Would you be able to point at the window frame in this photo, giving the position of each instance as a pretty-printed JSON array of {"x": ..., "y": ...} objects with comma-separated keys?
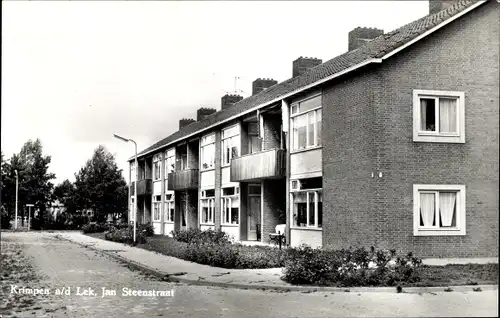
[
  {"x": 436, "y": 136},
  {"x": 156, "y": 204},
  {"x": 169, "y": 155},
  {"x": 297, "y": 113},
  {"x": 227, "y": 199},
  {"x": 317, "y": 192},
  {"x": 204, "y": 144},
  {"x": 157, "y": 167},
  {"x": 211, "y": 207},
  {"x": 166, "y": 206},
  {"x": 133, "y": 172},
  {"x": 237, "y": 136},
  {"x": 132, "y": 209},
  {"x": 460, "y": 218}
]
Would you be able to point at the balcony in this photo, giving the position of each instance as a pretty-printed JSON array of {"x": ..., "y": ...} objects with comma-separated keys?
[
  {"x": 268, "y": 164},
  {"x": 183, "y": 180},
  {"x": 144, "y": 187}
]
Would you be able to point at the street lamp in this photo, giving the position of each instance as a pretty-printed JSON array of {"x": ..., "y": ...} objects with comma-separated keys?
[
  {"x": 136, "y": 179},
  {"x": 17, "y": 181}
]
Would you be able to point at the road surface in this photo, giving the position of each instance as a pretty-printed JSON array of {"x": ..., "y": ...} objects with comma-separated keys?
[{"x": 59, "y": 264}]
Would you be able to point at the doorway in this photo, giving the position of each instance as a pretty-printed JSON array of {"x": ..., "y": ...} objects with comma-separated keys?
[{"x": 254, "y": 212}]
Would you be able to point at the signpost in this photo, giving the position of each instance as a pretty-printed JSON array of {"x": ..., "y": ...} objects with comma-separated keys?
[{"x": 29, "y": 215}]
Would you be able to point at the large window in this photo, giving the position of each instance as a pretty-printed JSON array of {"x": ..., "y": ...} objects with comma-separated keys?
[
  {"x": 208, "y": 152},
  {"x": 438, "y": 116},
  {"x": 169, "y": 208},
  {"x": 438, "y": 209},
  {"x": 230, "y": 144},
  {"x": 230, "y": 205},
  {"x": 307, "y": 203},
  {"x": 157, "y": 167},
  {"x": 156, "y": 208},
  {"x": 207, "y": 206},
  {"x": 306, "y": 123},
  {"x": 169, "y": 162}
]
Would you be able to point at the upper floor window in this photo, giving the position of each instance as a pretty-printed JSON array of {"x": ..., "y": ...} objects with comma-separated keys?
[
  {"x": 230, "y": 144},
  {"x": 306, "y": 123},
  {"x": 207, "y": 146},
  {"x": 169, "y": 162},
  {"x": 207, "y": 206},
  {"x": 438, "y": 116},
  {"x": 157, "y": 167},
  {"x": 438, "y": 209}
]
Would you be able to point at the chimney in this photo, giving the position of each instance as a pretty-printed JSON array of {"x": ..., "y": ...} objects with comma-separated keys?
[
  {"x": 204, "y": 112},
  {"x": 185, "y": 122},
  {"x": 261, "y": 84},
  {"x": 303, "y": 64},
  {"x": 228, "y": 100},
  {"x": 438, "y": 5},
  {"x": 359, "y": 36}
]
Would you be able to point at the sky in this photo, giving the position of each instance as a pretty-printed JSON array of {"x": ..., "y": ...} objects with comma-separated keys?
[{"x": 76, "y": 72}]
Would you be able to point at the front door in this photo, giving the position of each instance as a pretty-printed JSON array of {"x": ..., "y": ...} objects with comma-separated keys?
[
  {"x": 253, "y": 217},
  {"x": 184, "y": 207}
]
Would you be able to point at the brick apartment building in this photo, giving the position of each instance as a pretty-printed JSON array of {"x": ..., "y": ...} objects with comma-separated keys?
[{"x": 392, "y": 144}]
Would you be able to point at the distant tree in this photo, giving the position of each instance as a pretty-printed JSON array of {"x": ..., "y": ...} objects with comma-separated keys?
[
  {"x": 65, "y": 194},
  {"x": 100, "y": 186},
  {"x": 34, "y": 179}
]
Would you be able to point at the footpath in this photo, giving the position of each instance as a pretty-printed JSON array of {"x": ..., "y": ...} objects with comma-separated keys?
[{"x": 178, "y": 270}]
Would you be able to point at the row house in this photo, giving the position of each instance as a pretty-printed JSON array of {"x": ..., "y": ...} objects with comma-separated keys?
[{"x": 393, "y": 144}]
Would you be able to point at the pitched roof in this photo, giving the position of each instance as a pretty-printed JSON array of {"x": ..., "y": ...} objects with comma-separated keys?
[{"x": 374, "y": 49}]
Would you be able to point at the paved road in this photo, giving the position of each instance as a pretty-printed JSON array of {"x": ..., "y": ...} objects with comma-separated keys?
[{"x": 64, "y": 264}]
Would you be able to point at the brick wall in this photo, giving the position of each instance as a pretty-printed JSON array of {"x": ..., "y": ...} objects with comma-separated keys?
[
  {"x": 371, "y": 131},
  {"x": 193, "y": 152},
  {"x": 273, "y": 199},
  {"x": 272, "y": 130}
]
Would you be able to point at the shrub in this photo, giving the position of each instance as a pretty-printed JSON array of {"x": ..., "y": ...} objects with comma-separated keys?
[
  {"x": 146, "y": 229},
  {"x": 94, "y": 227},
  {"x": 125, "y": 235},
  {"x": 197, "y": 236},
  {"x": 349, "y": 267}
]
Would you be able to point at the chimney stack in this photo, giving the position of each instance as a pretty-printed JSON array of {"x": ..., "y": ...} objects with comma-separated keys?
[
  {"x": 204, "y": 112},
  {"x": 359, "y": 36},
  {"x": 185, "y": 122},
  {"x": 303, "y": 64},
  {"x": 261, "y": 84},
  {"x": 438, "y": 5},
  {"x": 228, "y": 100}
]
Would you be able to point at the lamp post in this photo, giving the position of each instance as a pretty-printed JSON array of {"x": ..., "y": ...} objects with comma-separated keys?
[
  {"x": 17, "y": 181},
  {"x": 136, "y": 179}
]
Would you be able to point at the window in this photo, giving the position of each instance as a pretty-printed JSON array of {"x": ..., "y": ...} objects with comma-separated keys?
[
  {"x": 207, "y": 206},
  {"x": 230, "y": 144},
  {"x": 230, "y": 205},
  {"x": 307, "y": 203},
  {"x": 208, "y": 152},
  {"x": 438, "y": 210},
  {"x": 156, "y": 208},
  {"x": 169, "y": 208},
  {"x": 169, "y": 162},
  {"x": 157, "y": 167},
  {"x": 133, "y": 172},
  {"x": 306, "y": 123},
  {"x": 438, "y": 116}
]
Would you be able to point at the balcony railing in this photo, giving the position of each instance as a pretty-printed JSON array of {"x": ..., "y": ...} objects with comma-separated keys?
[
  {"x": 144, "y": 187},
  {"x": 268, "y": 164},
  {"x": 183, "y": 180}
]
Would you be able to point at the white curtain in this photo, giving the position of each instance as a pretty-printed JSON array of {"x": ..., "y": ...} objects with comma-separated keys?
[
  {"x": 447, "y": 207},
  {"x": 423, "y": 114},
  {"x": 447, "y": 115},
  {"x": 427, "y": 207}
]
